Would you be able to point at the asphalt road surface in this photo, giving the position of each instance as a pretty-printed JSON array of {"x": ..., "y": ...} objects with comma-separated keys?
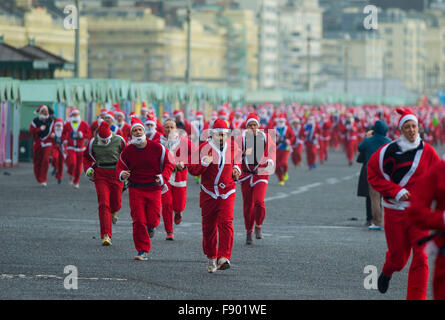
[{"x": 315, "y": 244}]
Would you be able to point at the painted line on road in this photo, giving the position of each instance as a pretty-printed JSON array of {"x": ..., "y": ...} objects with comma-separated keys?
[{"x": 52, "y": 276}]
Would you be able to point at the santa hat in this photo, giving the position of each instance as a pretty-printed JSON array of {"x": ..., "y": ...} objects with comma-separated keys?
[
  {"x": 220, "y": 126},
  {"x": 406, "y": 115},
  {"x": 199, "y": 115},
  {"x": 59, "y": 121},
  {"x": 104, "y": 131},
  {"x": 166, "y": 114},
  {"x": 214, "y": 115},
  {"x": 75, "y": 110},
  {"x": 252, "y": 118},
  {"x": 103, "y": 112},
  {"x": 222, "y": 114},
  {"x": 41, "y": 108},
  {"x": 109, "y": 114},
  {"x": 133, "y": 114},
  {"x": 151, "y": 120},
  {"x": 144, "y": 106},
  {"x": 281, "y": 117},
  {"x": 119, "y": 111},
  {"x": 135, "y": 121},
  {"x": 178, "y": 113}
]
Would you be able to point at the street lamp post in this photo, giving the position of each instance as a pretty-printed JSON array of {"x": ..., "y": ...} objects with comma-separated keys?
[
  {"x": 346, "y": 63},
  {"x": 187, "y": 71},
  {"x": 77, "y": 40}
]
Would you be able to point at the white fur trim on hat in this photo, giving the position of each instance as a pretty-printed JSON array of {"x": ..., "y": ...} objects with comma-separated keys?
[
  {"x": 137, "y": 124},
  {"x": 406, "y": 118},
  {"x": 252, "y": 119}
]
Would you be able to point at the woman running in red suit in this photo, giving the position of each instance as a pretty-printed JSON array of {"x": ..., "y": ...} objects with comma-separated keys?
[
  {"x": 393, "y": 171},
  {"x": 99, "y": 162},
  {"x": 258, "y": 150},
  {"x": 218, "y": 169},
  {"x": 147, "y": 166}
]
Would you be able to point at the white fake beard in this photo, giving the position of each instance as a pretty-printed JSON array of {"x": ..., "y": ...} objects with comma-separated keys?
[
  {"x": 42, "y": 117},
  {"x": 138, "y": 140},
  {"x": 75, "y": 119},
  {"x": 150, "y": 130},
  {"x": 280, "y": 125},
  {"x": 58, "y": 132},
  {"x": 406, "y": 145}
]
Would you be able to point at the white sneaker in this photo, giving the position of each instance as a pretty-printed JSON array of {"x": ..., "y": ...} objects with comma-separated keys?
[
  {"x": 142, "y": 256},
  {"x": 211, "y": 267},
  {"x": 76, "y": 186},
  {"x": 44, "y": 184},
  {"x": 223, "y": 264},
  {"x": 114, "y": 218},
  {"x": 107, "y": 240}
]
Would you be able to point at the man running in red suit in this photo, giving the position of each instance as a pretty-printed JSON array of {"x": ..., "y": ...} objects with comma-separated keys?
[
  {"x": 325, "y": 137},
  {"x": 258, "y": 152},
  {"x": 58, "y": 151},
  {"x": 150, "y": 129},
  {"x": 75, "y": 133},
  {"x": 297, "y": 145},
  {"x": 147, "y": 166},
  {"x": 350, "y": 131},
  {"x": 310, "y": 135},
  {"x": 41, "y": 128},
  {"x": 124, "y": 127},
  {"x": 430, "y": 189},
  {"x": 285, "y": 138},
  {"x": 218, "y": 170},
  {"x": 174, "y": 200},
  {"x": 393, "y": 171},
  {"x": 99, "y": 162}
]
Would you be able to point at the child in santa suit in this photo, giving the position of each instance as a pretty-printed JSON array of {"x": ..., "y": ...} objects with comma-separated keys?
[
  {"x": 393, "y": 171},
  {"x": 174, "y": 200},
  {"x": 75, "y": 133},
  {"x": 284, "y": 137},
  {"x": 99, "y": 161},
  {"x": 258, "y": 152},
  {"x": 58, "y": 152},
  {"x": 217, "y": 166},
  {"x": 147, "y": 166},
  {"x": 431, "y": 188},
  {"x": 41, "y": 128}
]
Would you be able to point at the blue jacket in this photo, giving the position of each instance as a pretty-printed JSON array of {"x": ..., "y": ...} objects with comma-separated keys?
[{"x": 374, "y": 143}]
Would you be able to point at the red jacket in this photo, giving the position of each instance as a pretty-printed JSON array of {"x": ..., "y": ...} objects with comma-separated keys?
[
  {"x": 155, "y": 137},
  {"x": 392, "y": 173},
  {"x": 42, "y": 137},
  {"x": 75, "y": 138},
  {"x": 126, "y": 131},
  {"x": 146, "y": 164},
  {"x": 249, "y": 171},
  {"x": 216, "y": 177}
]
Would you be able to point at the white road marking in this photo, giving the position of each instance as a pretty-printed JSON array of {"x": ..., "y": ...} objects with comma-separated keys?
[{"x": 52, "y": 276}]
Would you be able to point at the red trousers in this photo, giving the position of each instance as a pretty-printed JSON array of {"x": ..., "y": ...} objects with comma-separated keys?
[
  {"x": 282, "y": 164},
  {"x": 311, "y": 153},
  {"x": 173, "y": 201},
  {"x": 145, "y": 211},
  {"x": 323, "y": 151},
  {"x": 350, "y": 149},
  {"x": 439, "y": 278},
  {"x": 217, "y": 227},
  {"x": 401, "y": 238},
  {"x": 109, "y": 197},
  {"x": 57, "y": 161},
  {"x": 254, "y": 209},
  {"x": 74, "y": 164},
  {"x": 40, "y": 160},
  {"x": 297, "y": 155}
]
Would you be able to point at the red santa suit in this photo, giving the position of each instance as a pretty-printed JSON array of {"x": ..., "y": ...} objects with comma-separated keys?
[
  {"x": 58, "y": 150},
  {"x": 124, "y": 127},
  {"x": 431, "y": 188},
  {"x": 197, "y": 129},
  {"x": 324, "y": 139},
  {"x": 393, "y": 171},
  {"x": 74, "y": 137},
  {"x": 102, "y": 160},
  {"x": 175, "y": 198},
  {"x": 284, "y": 138},
  {"x": 350, "y": 131},
  {"x": 41, "y": 129},
  {"x": 181, "y": 123},
  {"x": 310, "y": 134},
  {"x": 217, "y": 197},
  {"x": 151, "y": 133},
  {"x": 145, "y": 165},
  {"x": 258, "y": 154},
  {"x": 297, "y": 144}
]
